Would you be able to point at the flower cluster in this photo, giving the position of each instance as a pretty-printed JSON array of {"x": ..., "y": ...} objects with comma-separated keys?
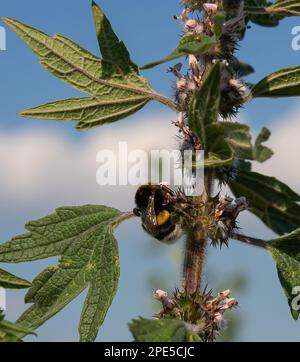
[
  {"x": 203, "y": 313},
  {"x": 226, "y": 214},
  {"x": 233, "y": 90},
  {"x": 216, "y": 215}
]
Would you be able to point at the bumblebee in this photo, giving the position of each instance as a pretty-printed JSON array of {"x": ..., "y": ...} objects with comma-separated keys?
[{"x": 156, "y": 206}]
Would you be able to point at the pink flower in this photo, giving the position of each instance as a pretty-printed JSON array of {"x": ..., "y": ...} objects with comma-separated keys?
[{"x": 210, "y": 8}]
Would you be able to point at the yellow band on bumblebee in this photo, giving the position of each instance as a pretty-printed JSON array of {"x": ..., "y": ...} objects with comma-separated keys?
[{"x": 162, "y": 217}]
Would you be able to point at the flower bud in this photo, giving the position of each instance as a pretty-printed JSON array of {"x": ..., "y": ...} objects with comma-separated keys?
[
  {"x": 191, "y": 86},
  {"x": 164, "y": 299},
  {"x": 191, "y": 24},
  {"x": 240, "y": 87},
  {"x": 211, "y": 9},
  {"x": 160, "y": 294},
  {"x": 181, "y": 84},
  {"x": 194, "y": 66}
]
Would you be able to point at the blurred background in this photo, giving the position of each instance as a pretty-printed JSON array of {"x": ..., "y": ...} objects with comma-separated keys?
[{"x": 47, "y": 164}]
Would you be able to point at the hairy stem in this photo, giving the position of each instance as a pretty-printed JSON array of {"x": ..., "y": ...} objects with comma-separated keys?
[
  {"x": 249, "y": 240},
  {"x": 194, "y": 259},
  {"x": 124, "y": 216},
  {"x": 164, "y": 100},
  {"x": 195, "y": 252}
]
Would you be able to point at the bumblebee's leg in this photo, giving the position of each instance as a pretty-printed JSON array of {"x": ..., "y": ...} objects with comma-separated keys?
[
  {"x": 167, "y": 189},
  {"x": 183, "y": 213},
  {"x": 181, "y": 196},
  {"x": 149, "y": 217},
  {"x": 137, "y": 212}
]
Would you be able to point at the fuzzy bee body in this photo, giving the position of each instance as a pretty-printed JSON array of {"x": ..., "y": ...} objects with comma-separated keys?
[{"x": 155, "y": 205}]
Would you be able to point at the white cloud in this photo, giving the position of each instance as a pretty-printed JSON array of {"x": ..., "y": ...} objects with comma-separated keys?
[
  {"x": 45, "y": 167},
  {"x": 285, "y": 142},
  {"x": 41, "y": 167}
]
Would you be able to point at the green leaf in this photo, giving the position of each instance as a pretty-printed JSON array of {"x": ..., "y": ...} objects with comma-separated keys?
[
  {"x": 213, "y": 161},
  {"x": 240, "y": 68},
  {"x": 115, "y": 88},
  {"x": 283, "y": 83},
  {"x": 286, "y": 253},
  {"x": 267, "y": 20},
  {"x": 11, "y": 332},
  {"x": 114, "y": 52},
  {"x": 8, "y": 280},
  {"x": 222, "y": 141},
  {"x": 233, "y": 139},
  {"x": 257, "y": 12},
  {"x": 256, "y": 3},
  {"x": 219, "y": 20},
  {"x": 204, "y": 106},
  {"x": 188, "y": 45},
  {"x": 262, "y": 153},
  {"x": 270, "y": 200},
  {"x": 88, "y": 112},
  {"x": 285, "y": 7},
  {"x": 227, "y": 141},
  {"x": 83, "y": 239},
  {"x": 164, "y": 330}
]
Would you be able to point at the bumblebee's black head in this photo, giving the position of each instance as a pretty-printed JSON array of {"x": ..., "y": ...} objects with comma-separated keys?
[
  {"x": 154, "y": 206},
  {"x": 144, "y": 193}
]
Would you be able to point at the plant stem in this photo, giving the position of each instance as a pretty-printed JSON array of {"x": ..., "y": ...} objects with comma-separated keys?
[
  {"x": 124, "y": 216},
  {"x": 164, "y": 100},
  {"x": 195, "y": 252},
  {"x": 194, "y": 260},
  {"x": 249, "y": 240},
  {"x": 270, "y": 10}
]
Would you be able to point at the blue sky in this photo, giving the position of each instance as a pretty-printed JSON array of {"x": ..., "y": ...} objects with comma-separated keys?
[{"x": 27, "y": 146}]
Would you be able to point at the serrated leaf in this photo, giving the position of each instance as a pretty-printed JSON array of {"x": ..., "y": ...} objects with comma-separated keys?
[
  {"x": 270, "y": 200},
  {"x": 233, "y": 140},
  {"x": 204, "y": 106},
  {"x": 83, "y": 238},
  {"x": 113, "y": 50},
  {"x": 228, "y": 141},
  {"x": 10, "y": 281},
  {"x": 164, "y": 330},
  {"x": 286, "y": 253},
  {"x": 115, "y": 87},
  {"x": 282, "y": 83},
  {"x": 262, "y": 153},
  {"x": 88, "y": 112},
  {"x": 188, "y": 45},
  {"x": 213, "y": 161},
  {"x": 11, "y": 332}
]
